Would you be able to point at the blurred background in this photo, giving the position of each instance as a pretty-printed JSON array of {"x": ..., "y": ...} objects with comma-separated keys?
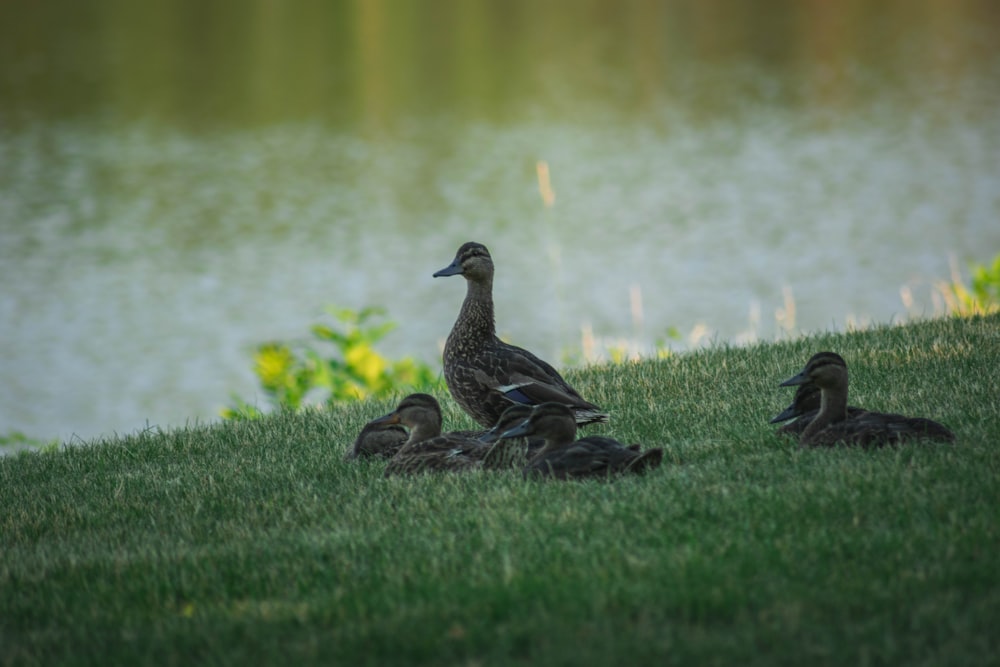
[{"x": 181, "y": 180}]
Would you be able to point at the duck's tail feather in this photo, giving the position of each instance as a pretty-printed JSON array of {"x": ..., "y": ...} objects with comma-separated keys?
[
  {"x": 586, "y": 416},
  {"x": 649, "y": 459}
]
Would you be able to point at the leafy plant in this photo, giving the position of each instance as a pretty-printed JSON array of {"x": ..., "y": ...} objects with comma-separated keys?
[
  {"x": 982, "y": 296},
  {"x": 295, "y": 374}
]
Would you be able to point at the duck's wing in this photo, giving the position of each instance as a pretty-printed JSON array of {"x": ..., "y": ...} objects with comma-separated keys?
[
  {"x": 877, "y": 429},
  {"x": 516, "y": 362},
  {"x": 500, "y": 375},
  {"x": 449, "y": 452},
  {"x": 528, "y": 380},
  {"x": 568, "y": 463},
  {"x": 893, "y": 428},
  {"x": 620, "y": 457},
  {"x": 593, "y": 456}
]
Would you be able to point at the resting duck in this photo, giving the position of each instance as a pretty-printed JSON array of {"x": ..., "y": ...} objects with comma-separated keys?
[
  {"x": 377, "y": 440},
  {"x": 564, "y": 457},
  {"x": 805, "y": 407},
  {"x": 484, "y": 374},
  {"x": 513, "y": 453},
  {"x": 828, "y": 371},
  {"x": 429, "y": 450}
]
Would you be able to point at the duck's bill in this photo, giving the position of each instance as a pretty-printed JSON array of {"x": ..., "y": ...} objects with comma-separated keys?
[
  {"x": 517, "y": 431},
  {"x": 452, "y": 269},
  {"x": 801, "y": 378},
  {"x": 391, "y": 418},
  {"x": 785, "y": 414}
]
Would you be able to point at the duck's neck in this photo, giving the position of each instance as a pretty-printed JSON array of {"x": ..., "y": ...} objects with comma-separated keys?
[
  {"x": 554, "y": 441},
  {"x": 832, "y": 409},
  {"x": 476, "y": 320}
]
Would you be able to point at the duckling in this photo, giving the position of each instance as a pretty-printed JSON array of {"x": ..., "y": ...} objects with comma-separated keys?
[
  {"x": 484, "y": 374},
  {"x": 805, "y": 407},
  {"x": 427, "y": 449},
  {"x": 377, "y": 439},
  {"x": 563, "y": 457},
  {"x": 828, "y": 371}
]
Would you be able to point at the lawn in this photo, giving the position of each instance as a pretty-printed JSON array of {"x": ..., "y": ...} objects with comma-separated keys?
[{"x": 255, "y": 543}]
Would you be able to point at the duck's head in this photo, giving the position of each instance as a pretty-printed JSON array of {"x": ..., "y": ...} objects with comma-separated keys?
[
  {"x": 826, "y": 370},
  {"x": 472, "y": 261},
  {"x": 513, "y": 416},
  {"x": 807, "y": 398},
  {"x": 415, "y": 411},
  {"x": 554, "y": 422}
]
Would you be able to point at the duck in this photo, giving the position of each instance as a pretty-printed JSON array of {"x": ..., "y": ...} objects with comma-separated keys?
[
  {"x": 804, "y": 408},
  {"x": 427, "y": 449},
  {"x": 509, "y": 453},
  {"x": 564, "y": 457},
  {"x": 378, "y": 440},
  {"x": 510, "y": 418},
  {"x": 831, "y": 426},
  {"x": 486, "y": 375}
]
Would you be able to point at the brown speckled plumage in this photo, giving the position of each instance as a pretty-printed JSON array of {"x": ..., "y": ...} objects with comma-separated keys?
[
  {"x": 831, "y": 426},
  {"x": 564, "y": 457},
  {"x": 429, "y": 450},
  {"x": 509, "y": 453},
  {"x": 484, "y": 374},
  {"x": 377, "y": 440}
]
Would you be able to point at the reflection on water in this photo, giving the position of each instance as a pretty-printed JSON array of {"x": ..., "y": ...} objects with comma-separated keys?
[{"x": 172, "y": 193}]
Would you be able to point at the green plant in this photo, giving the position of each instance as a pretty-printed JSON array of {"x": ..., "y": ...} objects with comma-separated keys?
[
  {"x": 982, "y": 296},
  {"x": 291, "y": 373},
  {"x": 16, "y": 440}
]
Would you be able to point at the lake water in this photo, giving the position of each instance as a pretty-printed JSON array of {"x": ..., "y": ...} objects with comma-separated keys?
[{"x": 181, "y": 181}]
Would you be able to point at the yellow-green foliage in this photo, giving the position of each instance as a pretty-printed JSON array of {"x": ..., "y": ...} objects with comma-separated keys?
[
  {"x": 979, "y": 298},
  {"x": 352, "y": 370}
]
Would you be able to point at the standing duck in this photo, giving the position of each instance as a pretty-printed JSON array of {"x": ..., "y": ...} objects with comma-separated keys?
[
  {"x": 486, "y": 375},
  {"x": 831, "y": 426},
  {"x": 429, "y": 450},
  {"x": 804, "y": 408},
  {"x": 564, "y": 457}
]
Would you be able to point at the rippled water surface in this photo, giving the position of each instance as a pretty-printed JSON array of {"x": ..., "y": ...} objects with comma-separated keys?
[{"x": 177, "y": 185}]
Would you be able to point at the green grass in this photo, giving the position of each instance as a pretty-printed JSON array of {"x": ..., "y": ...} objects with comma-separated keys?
[{"x": 254, "y": 543}]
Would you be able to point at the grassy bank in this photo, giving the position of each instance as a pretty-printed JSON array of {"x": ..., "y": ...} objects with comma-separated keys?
[{"x": 254, "y": 543}]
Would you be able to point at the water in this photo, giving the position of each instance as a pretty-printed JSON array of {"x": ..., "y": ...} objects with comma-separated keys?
[{"x": 173, "y": 193}]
